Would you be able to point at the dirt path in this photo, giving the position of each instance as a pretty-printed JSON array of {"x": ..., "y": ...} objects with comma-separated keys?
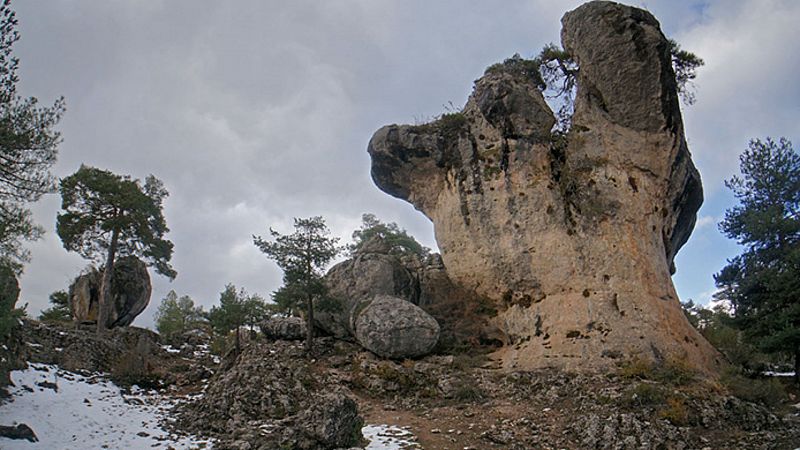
[{"x": 458, "y": 427}]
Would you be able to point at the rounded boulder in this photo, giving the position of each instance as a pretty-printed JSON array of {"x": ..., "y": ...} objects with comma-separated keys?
[{"x": 394, "y": 328}]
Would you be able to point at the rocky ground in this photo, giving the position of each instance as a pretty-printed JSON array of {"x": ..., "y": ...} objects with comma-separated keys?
[
  {"x": 272, "y": 396},
  {"x": 461, "y": 402}
]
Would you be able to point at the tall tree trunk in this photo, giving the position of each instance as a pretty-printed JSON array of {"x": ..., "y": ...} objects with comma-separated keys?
[
  {"x": 797, "y": 366},
  {"x": 104, "y": 302},
  {"x": 238, "y": 341},
  {"x": 309, "y": 325}
]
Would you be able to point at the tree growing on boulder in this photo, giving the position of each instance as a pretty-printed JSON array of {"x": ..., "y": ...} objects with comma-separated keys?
[
  {"x": 555, "y": 73},
  {"x": 60, "y": 311},
  {"x": 176, "y": 316},
  {"x": 28, "y": 149},
  {"x": 763, "y": 282},
  {"x": 303, "y": 255},
  {"x": 398, "y": 239},
  {"x": 106, "y": 215}
]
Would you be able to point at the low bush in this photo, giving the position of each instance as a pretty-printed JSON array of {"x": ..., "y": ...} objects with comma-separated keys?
[{"x": 769, "y": 392}]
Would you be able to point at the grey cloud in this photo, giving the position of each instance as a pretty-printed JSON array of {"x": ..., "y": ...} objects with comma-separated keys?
[{"x": 254, "y": 112}]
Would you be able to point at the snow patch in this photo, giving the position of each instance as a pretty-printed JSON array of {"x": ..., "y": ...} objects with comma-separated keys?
[
  {"x": 87, "y": 411},
  {"x": 389, "y": 437}
]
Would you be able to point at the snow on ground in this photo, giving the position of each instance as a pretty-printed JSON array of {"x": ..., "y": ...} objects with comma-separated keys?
[
  {"x": 69, "y": 411},
  {"x": 388, "y": 437},
  {"x": 771, "y": 373}
]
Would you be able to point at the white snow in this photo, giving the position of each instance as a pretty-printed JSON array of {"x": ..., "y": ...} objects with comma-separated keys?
[
  {"x": 87, "y": 412},
  {"x": 389, "y": 437},
  {"x": 770, "y": 373}
]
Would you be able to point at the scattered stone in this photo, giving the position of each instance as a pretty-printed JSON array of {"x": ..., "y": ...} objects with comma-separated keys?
[{"x": 21, "y": 431}]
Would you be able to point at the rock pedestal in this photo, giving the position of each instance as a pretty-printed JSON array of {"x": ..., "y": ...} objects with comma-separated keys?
[{"x": 573, "y": 238}]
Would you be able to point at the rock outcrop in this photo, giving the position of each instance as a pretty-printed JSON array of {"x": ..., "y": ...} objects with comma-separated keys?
[
  {"x": 271, "y": 397},
  {"x": 130, "y": 293},
  {"x": 9, "y": 290},
  {"x": 395, "y": 328},
  {"x": 9, "y": 354},
  {"x": 370, "y": 272},
  {"x": 286, "y": 328},
  {"x": 573, "y": 239},
  {"x": 372, "y": 298}
]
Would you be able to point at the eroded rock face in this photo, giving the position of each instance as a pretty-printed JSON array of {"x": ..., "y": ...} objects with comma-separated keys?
[
  {"x": 573, "y": 239},
  {"x": 130, "y": 293},
  {"x": 394, "y": 328}
]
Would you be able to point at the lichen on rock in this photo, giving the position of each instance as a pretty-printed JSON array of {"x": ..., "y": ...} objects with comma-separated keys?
[
  {"x": 130, "y": 293},
  {"x": 572, "y": 238}
]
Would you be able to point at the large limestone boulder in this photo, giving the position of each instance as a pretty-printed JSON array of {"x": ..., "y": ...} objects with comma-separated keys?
[
  {"x": 370, "y": 272},
  {"x": 286, "y": 328},
  {"x": 572, "y": 239},
  {"x": 130, "y": 293},
  {"x": 394, "y": 328}
]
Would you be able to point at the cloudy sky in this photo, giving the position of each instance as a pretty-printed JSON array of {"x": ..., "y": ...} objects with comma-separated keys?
[{"x": 254, "y": 112}]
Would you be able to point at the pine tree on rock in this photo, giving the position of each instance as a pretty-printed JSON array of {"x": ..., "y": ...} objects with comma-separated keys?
[{"x": 106, "y": 216}]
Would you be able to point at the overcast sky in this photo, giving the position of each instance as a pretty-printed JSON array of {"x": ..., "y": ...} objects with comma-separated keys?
[{"x": 254, "y": 112}]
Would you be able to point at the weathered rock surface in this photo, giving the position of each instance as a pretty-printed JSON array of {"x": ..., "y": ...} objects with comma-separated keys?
[
  {"x": 572, "y": 239},
  {"x": 9, "y": 289},
  {"x": 271, "y": 398},
  {"x": 130, "y": 293},
  {"x": 287, "y": 328},
  {"x": 394, "y": 328},
  {"x": 372, "y": 299},
  {"x": 81, "y": 349},
  {"x": 370, "y": 272},
  {"x": 9, "y": 294}
]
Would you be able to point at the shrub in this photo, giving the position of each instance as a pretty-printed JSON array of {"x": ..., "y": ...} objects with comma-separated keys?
[
  {"x": 769, "y": 392},
  {"x": 636, "y": 368},
  {"x": 644, "y": 394},
  {"x": 468, "y": 392},
  {"x": 519, "y": 66},
  {"x": 674, "y": 370},
  {"x": 675, "y": 412}
]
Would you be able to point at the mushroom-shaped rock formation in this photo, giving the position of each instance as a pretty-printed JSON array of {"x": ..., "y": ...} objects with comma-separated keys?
[
  {"x": 130, "y": 293},
  {"x": 573, "y": 238}
]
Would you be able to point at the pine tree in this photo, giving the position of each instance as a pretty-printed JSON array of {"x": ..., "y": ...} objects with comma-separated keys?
[
  {"x": 303, "y": 255},
  {"x": 175, "y": 316},
  {"x": 399, "y": 241},
  {"x": 28, "y": 149},
  {"x": 106, "y": 215},
  {"x": 60, "y": 311},
  {"x": 237, "y": 309},
  {"x": 763, "y": 283}
]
